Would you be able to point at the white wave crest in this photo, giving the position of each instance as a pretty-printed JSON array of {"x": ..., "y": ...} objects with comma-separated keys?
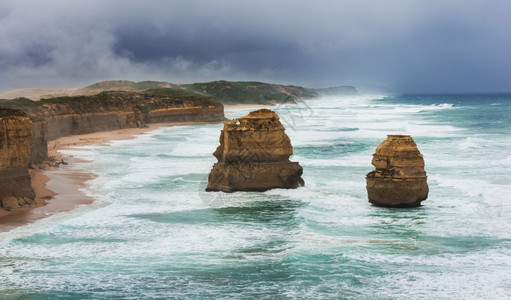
[{"x": 443, "y": 105}]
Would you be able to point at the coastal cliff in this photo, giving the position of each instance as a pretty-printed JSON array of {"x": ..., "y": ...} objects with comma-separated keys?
[
  {"x": 39, "y": 147},
  {"x": 27, "y": 126},
  {"x": 15, "y": 144},
  {"x": 399, "y": 179},
  {"x": 63, "y": 116},
  {"x": 254, "y": 155},
  {"x": 107, "y": 111}
]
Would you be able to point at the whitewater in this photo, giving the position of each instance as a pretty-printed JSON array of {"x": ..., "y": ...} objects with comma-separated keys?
[{"x": 154, "y": 233}]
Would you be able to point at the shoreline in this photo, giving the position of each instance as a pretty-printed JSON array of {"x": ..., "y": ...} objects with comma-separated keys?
[
  {"x": 57, "y": 190},
  {"x": 60, "y": 189}
]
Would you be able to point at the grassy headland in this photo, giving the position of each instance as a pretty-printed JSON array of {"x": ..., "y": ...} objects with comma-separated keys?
[
  {"x": 228, "y": 92},
  {"x": 243, "y": 92}
]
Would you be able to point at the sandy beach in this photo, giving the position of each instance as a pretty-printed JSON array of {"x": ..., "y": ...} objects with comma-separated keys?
[{"x": 60, "y": 189}]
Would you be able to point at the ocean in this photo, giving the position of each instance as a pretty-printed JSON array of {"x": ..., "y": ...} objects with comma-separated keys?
[{"x": 154, "y": 233}]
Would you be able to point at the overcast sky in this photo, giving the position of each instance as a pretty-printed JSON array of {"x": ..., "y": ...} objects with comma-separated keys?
[{"x": 405, "y": 45}]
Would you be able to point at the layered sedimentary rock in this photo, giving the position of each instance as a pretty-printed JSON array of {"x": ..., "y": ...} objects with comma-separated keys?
[
  {"x": 399, "y": 179},
  {"x": 39, "y": 148},
  {"x": 254, "y": 155},
  {"x": 26, "y": 130},
  {"x": 119, "y": 110},
  {"x": 15, "y": 144},
  {"x": 60, "y": 117}
]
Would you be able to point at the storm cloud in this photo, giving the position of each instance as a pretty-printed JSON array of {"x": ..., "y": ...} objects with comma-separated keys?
[{"x": 407, "y": 46}]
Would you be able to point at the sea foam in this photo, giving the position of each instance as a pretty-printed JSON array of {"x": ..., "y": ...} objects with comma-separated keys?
[{"x": 158, "y": 234}]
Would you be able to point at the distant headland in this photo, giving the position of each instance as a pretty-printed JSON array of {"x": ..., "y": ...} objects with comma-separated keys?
[{"x": 228, "y": 92}]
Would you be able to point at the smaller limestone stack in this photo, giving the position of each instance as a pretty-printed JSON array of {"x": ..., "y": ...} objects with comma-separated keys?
[
  {"x": 254, "y": 155},
  {"x": 399, "y": 179}
]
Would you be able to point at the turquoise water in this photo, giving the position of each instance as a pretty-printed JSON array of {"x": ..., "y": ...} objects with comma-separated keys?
[{"x": 154, "y": 233}]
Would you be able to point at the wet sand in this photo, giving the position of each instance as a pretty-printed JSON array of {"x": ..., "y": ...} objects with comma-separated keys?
[{"x": 57, "y": 190}]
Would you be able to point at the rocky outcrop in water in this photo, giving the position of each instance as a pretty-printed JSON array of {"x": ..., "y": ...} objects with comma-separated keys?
[
  {"x": 254, "y": 155},
  {"x": 15, "y": 143},
  {"x": 399, "y": 179}
]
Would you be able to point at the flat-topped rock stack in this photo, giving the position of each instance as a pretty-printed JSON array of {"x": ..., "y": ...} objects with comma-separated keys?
[
  {"x": 399, "y": 179},
  {"x": 254, "y": 155}
]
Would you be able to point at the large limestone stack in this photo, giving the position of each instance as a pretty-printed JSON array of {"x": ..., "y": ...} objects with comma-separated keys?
[
  {"x": 15, "y": 144},
  {"x": 399, "y": 179},
  {"x": 254, "y": 156}
]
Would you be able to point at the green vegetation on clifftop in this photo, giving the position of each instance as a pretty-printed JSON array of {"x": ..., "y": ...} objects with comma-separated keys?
[
  {"x": 18, "y": 103},
  {"x": 249, "y": 92},
  {"x": 125, "y": 85},
  {"x": 110, "y": 101},
  {"x": 228, "y": 92},
  {"x": 5, "y": 112}
]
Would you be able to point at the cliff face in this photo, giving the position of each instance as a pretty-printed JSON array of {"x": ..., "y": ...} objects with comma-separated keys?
[
  {"x": 39, "y": 148},
  {"x": 169, "y": 110},
  {"x": 118, "y": 110},
  {"x": 254, "y": 156},
  {"x": 82, "y": 123},
  {"x": 26, "y": 130},
  {"x": 399, "y": 179},
  {"x": 15, "y": 144},
  {"x": 58, "y": 117}
]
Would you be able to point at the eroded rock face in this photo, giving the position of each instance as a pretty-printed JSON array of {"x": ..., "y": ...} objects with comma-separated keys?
[
  {"x": 120, "y": 111},
  {"x": 15, "y": 144},
  {"x": 24, "y": 132},
  {"x": 254, "y": 155},
  {"x": 111, "y": 111},
  {"x": 399, "y": 179},
  {"x": 39, "y": 149}
]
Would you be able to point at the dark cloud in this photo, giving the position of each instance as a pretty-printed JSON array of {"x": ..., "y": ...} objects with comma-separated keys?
[{"x": 410, "y": 46}]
